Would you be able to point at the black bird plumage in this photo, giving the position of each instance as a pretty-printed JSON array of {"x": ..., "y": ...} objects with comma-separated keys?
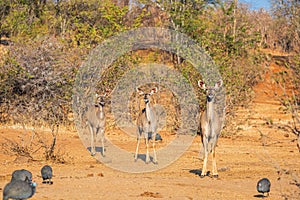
[
  {"x": 18, "y": 189},
  {"x": 157, "y": 137},
  {"x": 263, "y": 186},
  {"x": 46, "y": 173},
  {"x": 22, "y": 175}
]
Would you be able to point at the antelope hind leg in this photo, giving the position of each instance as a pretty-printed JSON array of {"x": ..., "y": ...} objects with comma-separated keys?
[
  {"x": 101, "y": 134},
  {"x": 137, "y": 148},
  {"x": 154, "y": 151},
  {"x": 93, "y": 150}
]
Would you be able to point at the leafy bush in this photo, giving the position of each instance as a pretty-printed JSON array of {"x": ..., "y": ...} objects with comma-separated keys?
[{"x": 36, "y": 82}]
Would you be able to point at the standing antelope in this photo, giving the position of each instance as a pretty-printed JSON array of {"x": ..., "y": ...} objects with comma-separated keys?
[
  {"x": 211, "y": 126},
  {"x": 96, "y": 122},
  {"x": 147, "y": 122}
]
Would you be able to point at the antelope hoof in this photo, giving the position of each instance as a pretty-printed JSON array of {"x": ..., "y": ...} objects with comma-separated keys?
[
  {"x": 215, "y": 176},
  {"x": 147, "y": 161},
  {"x": 93, "y": 154},
  {"x": 202, "y": 176},
  {"x": 155, "y": 162}
]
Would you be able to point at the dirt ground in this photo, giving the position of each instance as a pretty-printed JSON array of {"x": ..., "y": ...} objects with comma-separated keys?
[{"x": 256, "y": 150}]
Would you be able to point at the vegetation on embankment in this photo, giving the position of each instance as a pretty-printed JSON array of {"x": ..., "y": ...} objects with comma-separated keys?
[{"x": 48, "y": 41}]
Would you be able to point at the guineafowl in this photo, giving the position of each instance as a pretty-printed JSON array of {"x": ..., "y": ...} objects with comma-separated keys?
[
  {"x": 263, "y": 186},
  {"x": 18, "y": 189},
  {"x": 46, "y": 172},
  {"x": 22, "y": 175}
]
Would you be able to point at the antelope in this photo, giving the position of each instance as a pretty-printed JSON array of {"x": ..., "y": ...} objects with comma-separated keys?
[
  {"x": 211, "y": 126},
  {"x": 96, "y": 122},
  {"x": 147, "y": 123}
]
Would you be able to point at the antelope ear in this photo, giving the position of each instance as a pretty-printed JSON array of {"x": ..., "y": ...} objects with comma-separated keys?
[
  {"x": 218, "y": 84},
  {"x": 138, "y": 90},
  {"x": 201, "y": 84},
  {"x": 97, "y": 98},
  {"x": 154, "y": 90}
]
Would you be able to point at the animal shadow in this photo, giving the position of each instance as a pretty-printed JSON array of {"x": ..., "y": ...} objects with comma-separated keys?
[
  {"x": 260, "y": 196},
  {"x": 98, "y": 149},
  {"x": 143, "y": 158},
  {"x": 198, "y": 172},
  {"x": 4, "y": 42},
  {"x": 47, "y": 182}
]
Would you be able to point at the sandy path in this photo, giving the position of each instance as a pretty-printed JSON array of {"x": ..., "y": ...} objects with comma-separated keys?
[{"x": 257, "y": 150}]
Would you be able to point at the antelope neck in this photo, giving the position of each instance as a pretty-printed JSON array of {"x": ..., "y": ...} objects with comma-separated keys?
[
  {"x": 209, "y": 110},
  {"x": 101, "y": 111},
  {"x": 148, "y": 111}
]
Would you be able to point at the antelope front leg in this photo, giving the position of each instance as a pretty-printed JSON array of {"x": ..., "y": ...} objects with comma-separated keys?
[
  {"x": 203, "y": 172},
  {"x": 103, "y": 148},
  {"x": 214, "y": 164},
  {"x": 147, "y": 151},
  {"x": 205, "y": 143}
]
